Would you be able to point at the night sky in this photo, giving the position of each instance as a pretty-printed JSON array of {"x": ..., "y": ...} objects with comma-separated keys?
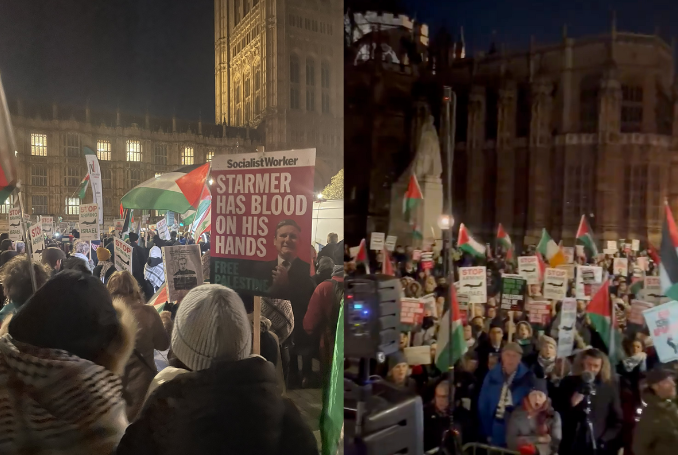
[
  {"x": 515, "y": 20},
  {"x": 132, "y": 53}
]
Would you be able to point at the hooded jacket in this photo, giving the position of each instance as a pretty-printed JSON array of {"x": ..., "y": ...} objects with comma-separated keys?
[
  {"x": 231, "y": 408},
  {"x": 657, "y": 431},
  {"x": 154, "y": 270}
]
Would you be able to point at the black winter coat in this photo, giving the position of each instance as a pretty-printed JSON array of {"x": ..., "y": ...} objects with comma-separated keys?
[{"x": 233, "y": 408}]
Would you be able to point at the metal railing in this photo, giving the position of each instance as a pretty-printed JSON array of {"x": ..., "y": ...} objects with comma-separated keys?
[{"x": 474, "y": 448}]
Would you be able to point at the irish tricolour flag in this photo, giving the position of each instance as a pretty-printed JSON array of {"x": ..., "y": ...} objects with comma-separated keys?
[
  {"x": 550, "y": 250},
  {"x": 585, "y": 236},
  {"x": 451, "y": 343},
  {"x": 468, "y": 244}
]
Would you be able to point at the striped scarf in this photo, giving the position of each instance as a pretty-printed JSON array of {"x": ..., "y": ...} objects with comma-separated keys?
[
  {"x": 505, "y": 398},
  {"x": 52, "y": 402}
]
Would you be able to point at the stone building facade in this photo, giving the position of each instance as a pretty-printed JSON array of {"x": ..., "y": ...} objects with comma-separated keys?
[
  {"x": 584, "y": 126},
  {"x": 279, "y": 68},
  {"x": 131, "y": 150}
]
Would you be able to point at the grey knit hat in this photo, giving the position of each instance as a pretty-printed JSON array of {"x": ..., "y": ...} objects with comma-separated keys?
[{"x": 211, "y": 325}]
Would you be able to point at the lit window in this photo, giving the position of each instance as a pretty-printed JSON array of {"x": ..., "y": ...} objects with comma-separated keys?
[
  {"x": 133, "y": 177},
  {"x": 158, "y": 174},
  {"x": 209, "y": 156},
  {"x": 187, "y": 156},
  {"x": 9, "y": 203},
  {"x": 72, "y": 206},
  {"x": 38, "y": 175},
  {"x": 71, "y": 144},
  {"x": 39, "y": 205},
  {"x": 133, "y": 151},
  {"x": 160, "y": 154},
  {"x": 104, "y": 150},
  {"x": 39, "y": 144}
]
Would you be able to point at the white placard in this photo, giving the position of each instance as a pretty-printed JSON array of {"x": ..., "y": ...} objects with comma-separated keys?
[
  {"x": 652, "y": 288},
  {"x": 418, "y": 355},
  {"x": 163, "y": 231},
  {"x": 612, "y": 245},
  {"x": 569, "y": 268},
  {"x": 89, "y": 222},
  {"x": 636, "y": 314},
  {"x": 621, "y": 266},
  {"x": 643, "y": 263},
  {"x": 635, "y": 245},
  {"x": 555, "y": 284},
  {"x": 183, "y": 270},
  {"x": 610, "y": 252},
  {"x": 47, "y": 225},
  {"x": 568, "y": 251},
  {"x": 473, "y": 282},
  {"x": 598, "y": 277},
  {"x": 429, "y": 302},
  {"x": 391, "y": 242},
  {"x": 528, "y": 268},
  {"x": 37, "y": 241},
  {"x": 567, "y": 329},
  {"x": 580, "y": 251},
  {"x": 15, "y": 231},
  {"x": 119, "y": 224},
  {"x": 377, "y": 241},
  {"x": 123, "y": 255}
]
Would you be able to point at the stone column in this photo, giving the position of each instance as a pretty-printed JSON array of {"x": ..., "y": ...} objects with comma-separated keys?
[
  {"x": 539, "y": 199},
  {"x": 432, "y": 190},
  {"x": 609, "y": 164},
  {"x": 505, "y": 154},
  {"x": 474, "y": 152}
]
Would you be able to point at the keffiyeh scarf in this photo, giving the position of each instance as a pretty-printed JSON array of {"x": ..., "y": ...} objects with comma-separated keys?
[
  {"x": 505, "y": 398},
  {"x": 156, "y": 274},
  {"x": 630, "y": 363},
  {"x": 546, "y": 364}
]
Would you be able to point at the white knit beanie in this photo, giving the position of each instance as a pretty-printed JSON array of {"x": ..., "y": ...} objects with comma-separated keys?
[{"x": 211, "y": 325}]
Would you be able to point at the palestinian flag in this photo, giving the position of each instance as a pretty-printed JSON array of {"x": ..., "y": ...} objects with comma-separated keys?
[
  {"x": 550, "y": 251},
  {"x": 451, "y": 343},
  {"x": 412, "y": 197},
  {"x": 386, "y": 264},
  {"x": 585, "y": 236},
  {"x": 504, "y": 240},
  {"x": 8, "y": 166},
  {"x": 82, "y": 189},
  {"x": 159, "y": 298},
  {"x": 668, "y": 268},
  {"x": 601, "y": 314},
  {"x": 362, "y": 257},
  {"x": 204, "y": 223},
  {"x": 416, "y": 232},
  {"x": 166, "y": 193},
  {"x": 542, "y": 265},
  {"x": 332, "y": 415},
  {"x": 468, "y": 244}
]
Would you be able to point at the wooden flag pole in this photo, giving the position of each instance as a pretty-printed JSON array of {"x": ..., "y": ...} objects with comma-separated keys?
[{"x": 29, "y": 241}]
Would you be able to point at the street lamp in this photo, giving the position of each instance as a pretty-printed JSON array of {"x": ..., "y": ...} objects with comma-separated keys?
[
  {"x": 320, "y": 196},
  {"x": 445, "y": 222}
]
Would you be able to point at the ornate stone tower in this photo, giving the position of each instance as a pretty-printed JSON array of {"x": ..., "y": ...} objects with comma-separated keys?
[{"x": 279, "y": 67}]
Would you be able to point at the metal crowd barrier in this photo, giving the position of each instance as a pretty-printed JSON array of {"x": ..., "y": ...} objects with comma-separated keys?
[{"x": 476, "y": 448}]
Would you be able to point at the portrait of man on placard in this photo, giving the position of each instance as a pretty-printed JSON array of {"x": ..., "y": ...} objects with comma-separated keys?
[{"x": 184, "y": 278}]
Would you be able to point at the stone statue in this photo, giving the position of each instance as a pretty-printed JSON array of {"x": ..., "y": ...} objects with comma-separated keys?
[{"x": 427, "y": 161}]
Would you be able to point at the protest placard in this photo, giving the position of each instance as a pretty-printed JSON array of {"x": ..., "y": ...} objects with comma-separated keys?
[
  {"x": 123, "y": 255},
  {"x": 47, "y": 223},
  {"x": 609, "y": 252},
  {"x": 539, "y": 312},
  {"x": 642, "y": 263},
  {"x": 612, "y": 245},
  {"x": 635, "y": 245},
  {"x": 627, "y": 248},
  {"x": 377, "y": 241},
  {"x": 183, "y": 270},
  {"x": 580, "y": 251},
  {"x": 391, "y": 242},
  {"x": 473, "y": 282},
  {"x": 37, "y": 241},
  {"x": 652, "y": 288},
  {"x": 163, "y": 230},
  {"x": 528, "y": 268},
  {"x": 15, "y": 230},
  {"x": 636, "y": 314},
  {"x": 418, "y": 355},
  {"x": 569, "y": 268},
  {"x": 568, "y": 251},
  {"x": 89, "y": 222},
  {"x": 429, "y": 302},
  {"x": 411, "y": 311},
  {"x": 620, "y": 266},
  {"x": 513, "y": 289},
  {"x": 587, "y": 275},
  {"x": 261, "y": 222},
  {"x": 427, "y": 260},
  {"x": 566, "y": 328},
  {"x": 119, "y": 224},
  {"x": 555, "y": 284},
  {"x": 662, "y": 321}
]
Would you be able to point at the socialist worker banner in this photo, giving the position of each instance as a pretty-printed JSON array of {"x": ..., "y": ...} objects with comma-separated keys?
[{"x": 261, "y": 222}]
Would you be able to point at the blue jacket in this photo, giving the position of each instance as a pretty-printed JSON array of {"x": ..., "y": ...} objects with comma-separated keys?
[{"x": 489, "y": 400}]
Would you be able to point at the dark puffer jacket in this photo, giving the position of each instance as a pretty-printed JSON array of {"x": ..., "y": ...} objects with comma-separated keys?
[{"x": 228, "y": 409}]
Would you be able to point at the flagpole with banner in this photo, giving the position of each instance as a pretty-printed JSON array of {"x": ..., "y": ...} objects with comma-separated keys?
[{"x": 94, "y": 173}]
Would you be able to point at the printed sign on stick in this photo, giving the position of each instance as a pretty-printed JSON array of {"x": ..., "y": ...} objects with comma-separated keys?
[
  {"x": 377, "y": 241},
  {"x": 47, "y": 225},
  {"x": 391, "y": 242},
  {"x": 89, "y": 222},
  {"x": 555, "y": 284},
  {"x": 653, "y": 289},
  {"x": 513, "y": 288},
  {"x": 528, "y": 268},
  {"x": 411, "y": 311},
  {"x": 635, "y": 245},
  {"x": 261, "y": 222},
  {"x": 123, "y": 255},
  {"x": 567, "y": 329},
  {"x": 661, "y": 321},
  {"x": 15, "y": 231},
  {"x": 568, "y": 251},
  {"x": 621, "y": 266},
  {"x": 119, "y": 224},
  {"x": 473, "y": 282},
  {"x": 587, "y": 275},
  {"x": 642, "y": 263},
  {"x": 539, "y": 312},
  {"x": 37, "y": 241},
  {"x": 163, "y": 230},
  {"x": 636, "y": 314},
  {"x": 183, "y": 270}
]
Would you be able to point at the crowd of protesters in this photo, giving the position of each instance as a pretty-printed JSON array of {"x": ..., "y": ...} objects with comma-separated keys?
[
  {"x": 510, "y": 389},
  {"x": 77, "y": 367}
]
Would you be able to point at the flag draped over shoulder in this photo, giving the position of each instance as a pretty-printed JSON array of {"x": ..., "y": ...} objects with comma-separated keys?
[
  {"x": 668, "y": 268},
  {"x": 550, "y": 251},
  {"x": 451, "y": 343},
  {"x": 8, "y": 167},
  {"x": 585, "y": 236},
  {"x": 504, "y": 240},
  {"x": 468, "y": 244}
]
